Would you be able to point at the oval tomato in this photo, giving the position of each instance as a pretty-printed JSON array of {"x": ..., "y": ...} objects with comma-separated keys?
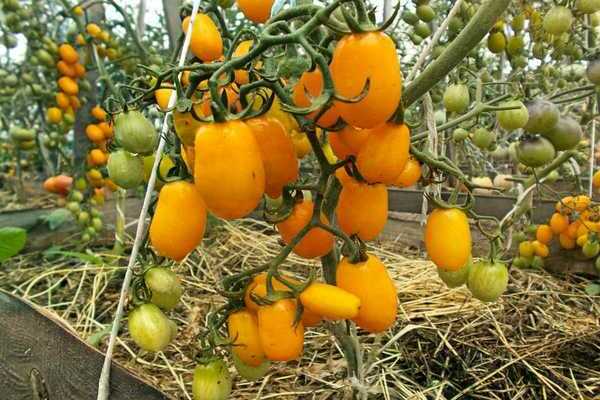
[
  {"x": 316, "y": 243},
  {"x": 242, "y": 326},
  {"x": 348, "y": 141},
  {"x": 487, "y": 281},
  {"x": 370, "y": 282},
  {"x": 149, "y": 328},
  {"x": 125, "y": 169},
  {"x": 186, "y": 126},
  {"x": 68, "y": 54},
  {"x": 281, "y": 340},
  {"x": 68, "y": 85},
  {"x": 311, "y": 82},
  {"x": 249, "y": 372},
  {"x": 179, "y": 221},
  {"x": 454, "y": 279},
  {"x": 212, "y": 381},
  {"x": 384, "y": 155},
  {"x": 277, "y": 152},
  {"x": 362, "y": 208},
  {"x": 558, "y": 20},
  {"x": 165, "y": 287},
  {"x": 559, "y": 223},
  {"x": 206, "y": 42},
  {"x": 450, "y": 255},
  {"x": 496, "y": 42},
  {"x": 330, "y": 301},
  {"x": 367, "y": 56},
  {"x": 410, "y": 175},
  {"x": 258, "y": 11},
  {"x": 135, "y": 133},
  {"x": 229, "y": 171},
  {"x": 242, "y": 76}
]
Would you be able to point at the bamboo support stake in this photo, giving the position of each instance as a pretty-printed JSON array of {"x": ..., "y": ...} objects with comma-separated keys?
[{"x": 104, "y": 381}]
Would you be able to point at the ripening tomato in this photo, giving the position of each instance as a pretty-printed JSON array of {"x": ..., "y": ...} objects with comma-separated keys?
[
  {"x": 277, "y": 152},
  {"x": 596, "y": 180},
  {"x": 454, "y": 279},
  {"x": 487, "y": 281},
  {"x": 68, "y": 85},
  {"x": 229, "y": 171},
  {"x": 370, "y": 282},
  {"x": 242, "y": 326},
  {"x": 384, "y": 155},
  {"x": 149, "y": 328},
  {"x": 348, "y": 141},
  {"x": 248, "y": 371},
  {"x": 165, "y": 287},
  {"x": 442, "y": 224},
  {"x": 362, "y": 57},
  {"x": 410, "y": 175},
  {"x": 330, "y": 301},
  {"x": 206, "y": 42},
  {"x": 179, "y": 221},
  {"x": 212, "y": 381},
  {"x": 526, "y": 249},
  {"x": 362, "y": 208},
  {"x": 257, "y": 11},
  {"x": 68, "y": 54},
  {"x": 316, "y": 243},
  {"x": 281, "y": 340},
  {"x": 311, "y": 82}
]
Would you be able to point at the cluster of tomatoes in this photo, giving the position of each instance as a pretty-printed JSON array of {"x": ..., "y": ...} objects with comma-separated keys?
[{"x": 575, "y": 225}]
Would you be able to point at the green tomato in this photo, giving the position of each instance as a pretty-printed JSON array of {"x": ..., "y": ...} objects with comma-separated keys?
[
  {"x": 496, "y": 42},
  {"x": 587, "y": 6},
  {"x": 125, "y": 169},
  {"x": 249, "y": 372},
  {"x": 519, "y": 237},
  {"x": 77, "y": 196},
  {"x": 537, "y": 262},
  {"x": 593, "y": 72},
  {"x": 410, "y": 17},
  {"x": 454, "y": 279},
  {"x": 487, "y": 281},
  {"x": 212, "y": 381},
  {"x": 565, "y": 135},
  {"x": 135, "y": 133},
  {"x": 165, "y": 287},
  {"x": 521, "y": 262},
  {"x": 513, "y": 119},
  {"x": 73, "y": 206},
  {"x": 483, "y": 138},
  {"x": 460, "y": 134},
  {"x": 591, "y": 249},
  {"x": 97, "y": 224},
  {"x": 558, "y": 20},
  {"x": 457, "y": 98},
  {"x": 425, "y": 12},
  {"x": 150, "y": 328},
  {"x": 535, "y": 151},
  {"x": 597, "y": 265},
  {"x": 543, "y": 116},
  {"x": 83, "y": 217},
  {"x": 422, "y": 29},
  {"x": 515, "y": 45}
]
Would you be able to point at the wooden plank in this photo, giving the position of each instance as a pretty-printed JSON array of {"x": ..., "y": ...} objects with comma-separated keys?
[{"x": 40, "y": 359}]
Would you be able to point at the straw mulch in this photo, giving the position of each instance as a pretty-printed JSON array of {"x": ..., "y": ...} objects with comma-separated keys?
[{"x": 540, "y": 341}]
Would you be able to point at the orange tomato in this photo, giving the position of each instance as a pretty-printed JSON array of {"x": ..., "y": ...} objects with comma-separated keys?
[
  {"x": 188, "y": 155},
  {"x": 93, "y": 30},
  {"x": 448, "y": 238},
  {"x": 559, "y": 223},
  {"x": 410, "y": 175},
  {"x": 277, "y": 152},
  {"x": 98, "y": 113},
  {"x": 370, "y": 282},
  {"x": 228, "y": 169},
  {"x": 566, "y": 241},
  {"x": 348, "y": 141},
  {"x": 162, "y": 97},
  {"x": 68, "y": 85},
  {"x": 544, "y": 234},
  {"x": 540, "y": 249},
  {"x": 316, "y": 243},
  {"x": 362, "y": 208},
  {"x": 206, "y": 42},
  {"x": 572, "y": 229},
  {"x": 65, "y": 69},
  {"x": 68, "y": 54},
  {"x": 242, "y": 326},
  {"x": 62, "y": 100},
  {"x": 74, "y": 102},
  {"x": 54, "y": 115},
  {"x": 186, "y": 126},
  {"x": 107, "y": 130},
  {"x": 79, "y": 70},
  {"x": 311, "y": 82},
  {"x": 281, "y": 340},
  {"x": 242, "y": 76},
  {"x": 526, "y": 249},
  {"x": 363, "y": 57},
  {"x": 80, "y": 40},
  {"x": 384, "y": 155},
  {"x": 330, "y": 301},
  {"x": 596, "y": 180},
  {"x": 566, "y": 205},
  {"x": 258, "y": 11},
  {"x": 581, "y": 203},
  {"x": 178, "y": 224},
  {"x": 94, "y": 133},
  {"x": 98, "y": 157}
]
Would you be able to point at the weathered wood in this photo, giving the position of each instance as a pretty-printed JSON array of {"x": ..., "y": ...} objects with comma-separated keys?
[
  {"x": 40, "y": 359},
  {"x": 172, "y": 21}
]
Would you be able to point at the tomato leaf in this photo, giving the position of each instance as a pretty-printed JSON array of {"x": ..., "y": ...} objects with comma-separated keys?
[
  {"x": 593, "y": 289},
  {"x": 57, "y": 218},
  {"x": 12, "y": 241}
]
